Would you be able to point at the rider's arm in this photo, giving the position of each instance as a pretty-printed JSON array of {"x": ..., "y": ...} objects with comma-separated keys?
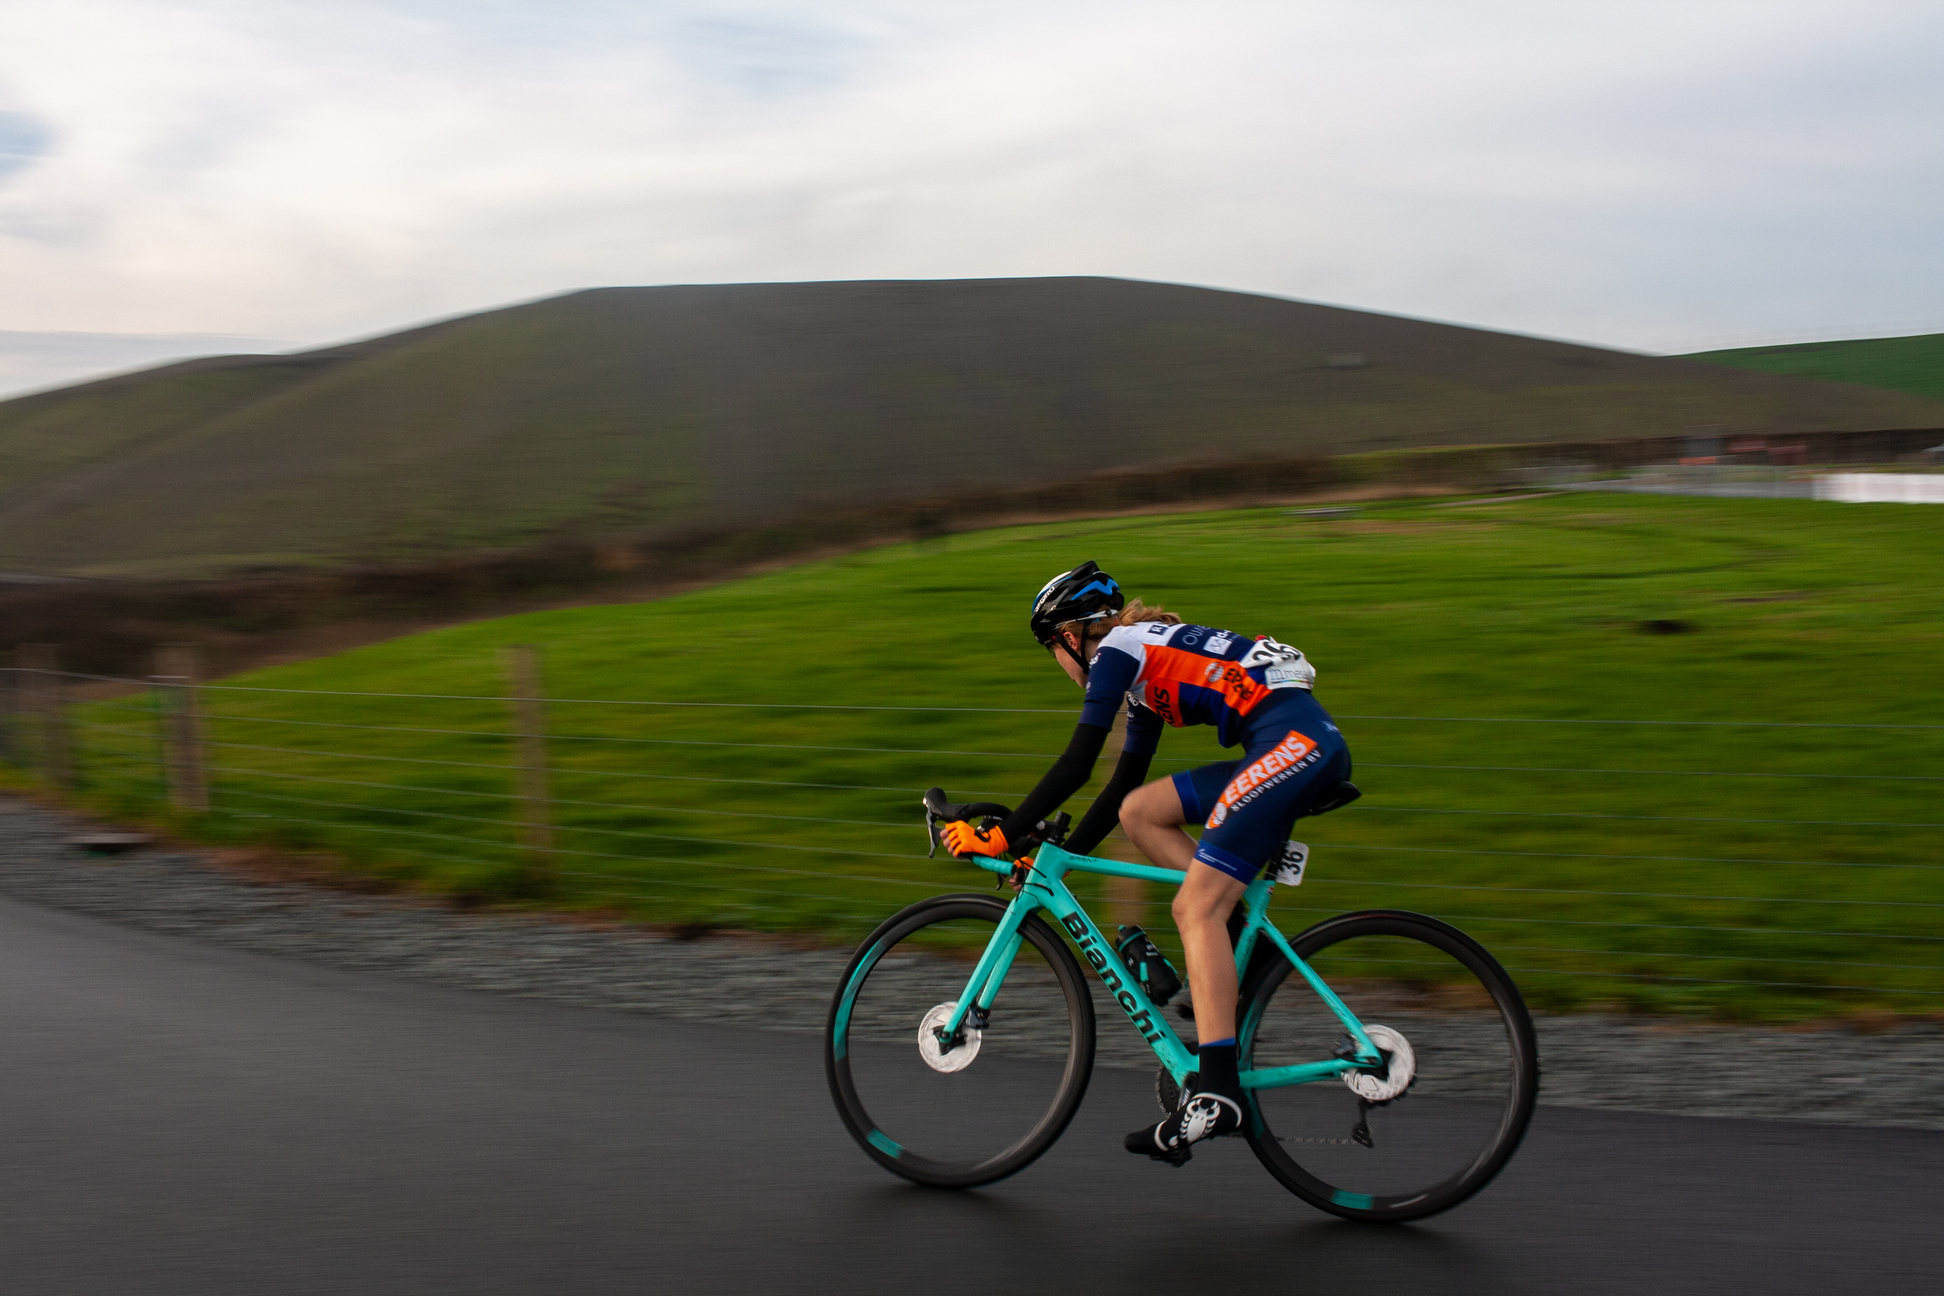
[
  {"x": 1101, "y": 817},
  {"x": 1137, "y": 752},
  {"x": 1109, "y": 676},
  {"x": 1068, "y": 774}
]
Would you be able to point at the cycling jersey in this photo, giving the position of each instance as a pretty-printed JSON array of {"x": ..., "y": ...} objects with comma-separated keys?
[
  {"x": 1188, "y": 675},
  {"x": 1254, "y": 691}
]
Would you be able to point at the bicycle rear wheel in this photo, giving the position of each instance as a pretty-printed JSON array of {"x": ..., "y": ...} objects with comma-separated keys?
[
  {"x": 1442, "y": 1119},
  {"x": 954, "y": 1120}
]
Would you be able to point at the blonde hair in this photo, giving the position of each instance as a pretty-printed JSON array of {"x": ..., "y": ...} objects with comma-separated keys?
[{"x": 1135, "y": 611}]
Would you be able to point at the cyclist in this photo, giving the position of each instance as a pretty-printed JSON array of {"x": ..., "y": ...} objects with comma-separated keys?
[{"x": 1257, "y": 693}]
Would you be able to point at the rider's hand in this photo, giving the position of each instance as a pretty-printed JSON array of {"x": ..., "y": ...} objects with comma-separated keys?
[{"x": 963, "y": 839}]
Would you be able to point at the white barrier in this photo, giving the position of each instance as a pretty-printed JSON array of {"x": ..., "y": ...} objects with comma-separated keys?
[{"x": 1882, "y": 488}]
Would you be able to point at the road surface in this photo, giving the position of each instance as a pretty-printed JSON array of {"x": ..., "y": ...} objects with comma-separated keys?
[{"x": 178, "y": 1118}]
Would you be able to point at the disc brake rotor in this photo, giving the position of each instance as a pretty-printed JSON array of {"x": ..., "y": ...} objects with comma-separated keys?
[
  {"x": 935, "y": 1054},
  {"x": 1397, "y": 1077}
]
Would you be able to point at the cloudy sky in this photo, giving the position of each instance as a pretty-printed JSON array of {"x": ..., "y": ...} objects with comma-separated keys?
[{"x": 186, "y": 176}]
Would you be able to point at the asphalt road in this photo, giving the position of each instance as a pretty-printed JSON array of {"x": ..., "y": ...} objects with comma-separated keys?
[{"x": 180, "y": 1118}]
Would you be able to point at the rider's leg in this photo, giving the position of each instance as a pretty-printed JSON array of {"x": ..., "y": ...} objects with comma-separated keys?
[
  {"x": 1201, "y": 913},
  {"x": 1212, "y": 1101},
  {"x": 1153, "y": 817},
  {"x": 1250, "y": 806},
  {"x": 1213, "y": 1104}
]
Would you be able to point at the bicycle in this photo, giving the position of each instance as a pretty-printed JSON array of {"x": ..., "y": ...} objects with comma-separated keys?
[{"x": 1387, "y": 1120}]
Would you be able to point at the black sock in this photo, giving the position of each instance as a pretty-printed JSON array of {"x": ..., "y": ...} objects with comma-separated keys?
[{"x": 1217, "y": 1064}]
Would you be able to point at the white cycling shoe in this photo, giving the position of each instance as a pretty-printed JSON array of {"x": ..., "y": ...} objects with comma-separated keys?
[{"x": 1205, "y": 1114}]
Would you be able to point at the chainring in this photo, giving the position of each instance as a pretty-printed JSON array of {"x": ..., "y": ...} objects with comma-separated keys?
[{"x": 1166, "y": 1091}]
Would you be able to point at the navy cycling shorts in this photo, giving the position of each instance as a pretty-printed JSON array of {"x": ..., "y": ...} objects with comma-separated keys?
[{"x": 1250, "y": 805}]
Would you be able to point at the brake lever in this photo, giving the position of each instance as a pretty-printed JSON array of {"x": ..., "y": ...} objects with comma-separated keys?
[{"x": 931, "y": 831}]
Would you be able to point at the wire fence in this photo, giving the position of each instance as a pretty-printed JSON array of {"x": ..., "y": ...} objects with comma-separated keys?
[{"x": 1689, "y": 862}]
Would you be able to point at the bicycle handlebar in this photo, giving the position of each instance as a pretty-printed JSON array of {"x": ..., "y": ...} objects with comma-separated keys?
[{"x": 939, "y": 808}]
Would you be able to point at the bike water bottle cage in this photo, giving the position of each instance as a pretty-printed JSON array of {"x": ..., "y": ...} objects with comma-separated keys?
[{"x": 1148, "y": 965}]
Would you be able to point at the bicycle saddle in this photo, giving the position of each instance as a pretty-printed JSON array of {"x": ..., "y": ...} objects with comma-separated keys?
[{"x": 1335, "y": 799}]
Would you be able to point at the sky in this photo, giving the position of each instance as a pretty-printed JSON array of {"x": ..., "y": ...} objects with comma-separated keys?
[{"x": 183, "y": 177}]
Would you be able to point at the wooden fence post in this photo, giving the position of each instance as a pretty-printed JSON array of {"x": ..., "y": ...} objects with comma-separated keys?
[
  {"x": 526, "y": 693},
  {"x": 41, "y": 686},
  {"x": 177, "y": 672},
  {"x": 10, "y": 745}
]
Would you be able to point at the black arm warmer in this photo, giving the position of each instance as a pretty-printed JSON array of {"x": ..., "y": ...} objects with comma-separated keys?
[
  {"x": 1073, "y": 769},
  {"x": 1105, "y": 811}
]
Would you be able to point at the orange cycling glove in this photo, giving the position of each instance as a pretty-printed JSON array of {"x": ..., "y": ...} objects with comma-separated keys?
[{"x": 964, "y": 839}]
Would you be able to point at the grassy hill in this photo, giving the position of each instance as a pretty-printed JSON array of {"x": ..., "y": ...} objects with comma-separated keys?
[
  {"x": 752, "y": 754},
  {"x": 1906, "y": 364},
  {"x": 635, "y": 410}
]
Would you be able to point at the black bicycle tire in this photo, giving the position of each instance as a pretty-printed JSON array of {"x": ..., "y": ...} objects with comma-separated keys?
[
  {"x": 1275, "y": 1157},
  {"x": 1073, "y": 1084}
]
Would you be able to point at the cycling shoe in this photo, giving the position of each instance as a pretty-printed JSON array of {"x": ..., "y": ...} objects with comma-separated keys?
[{"x": 1206, "y": 1114}]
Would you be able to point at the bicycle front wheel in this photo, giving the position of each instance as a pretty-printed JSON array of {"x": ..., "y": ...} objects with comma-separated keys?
[
  {"x": 987, "y": 1108},
  {"x": 1443, "y": 1116}
]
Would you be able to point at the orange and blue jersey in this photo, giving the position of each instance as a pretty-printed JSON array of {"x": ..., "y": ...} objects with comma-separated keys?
[
  {"x": 1253, "y": 691},
  {"x": 1188, "y": 675}
]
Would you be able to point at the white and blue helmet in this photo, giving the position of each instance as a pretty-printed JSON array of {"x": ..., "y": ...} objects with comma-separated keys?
[{"x": 1084, "y": 594}]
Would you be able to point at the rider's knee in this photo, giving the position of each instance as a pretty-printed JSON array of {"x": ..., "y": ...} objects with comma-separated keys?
[
  {"x": 1183, "y": 909},
  {"x": 1195, "y": 906},
  {"x": 1135, "y": 808}
]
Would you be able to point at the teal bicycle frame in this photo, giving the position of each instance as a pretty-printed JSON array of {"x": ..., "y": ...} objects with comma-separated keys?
[{"x": 1045, "y": 888}]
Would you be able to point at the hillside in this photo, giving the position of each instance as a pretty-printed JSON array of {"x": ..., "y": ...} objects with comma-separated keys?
[
  {"x": 1906, "y": 364},
  {"x": 658, "y": 409}
]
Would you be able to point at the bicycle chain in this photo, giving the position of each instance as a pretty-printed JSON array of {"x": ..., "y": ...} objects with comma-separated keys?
[{"x": 1164, "y": 1082}]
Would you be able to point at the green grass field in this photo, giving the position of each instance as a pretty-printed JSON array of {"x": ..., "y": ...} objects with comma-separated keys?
[
  {"x": 1710, "y": 867},
  {"x": 1906, "y": 364}
]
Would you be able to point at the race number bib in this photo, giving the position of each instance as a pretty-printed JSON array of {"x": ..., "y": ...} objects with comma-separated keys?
[
  {"x": 1283, "y": 666},
  {"x": 1288, "y": 868}
]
